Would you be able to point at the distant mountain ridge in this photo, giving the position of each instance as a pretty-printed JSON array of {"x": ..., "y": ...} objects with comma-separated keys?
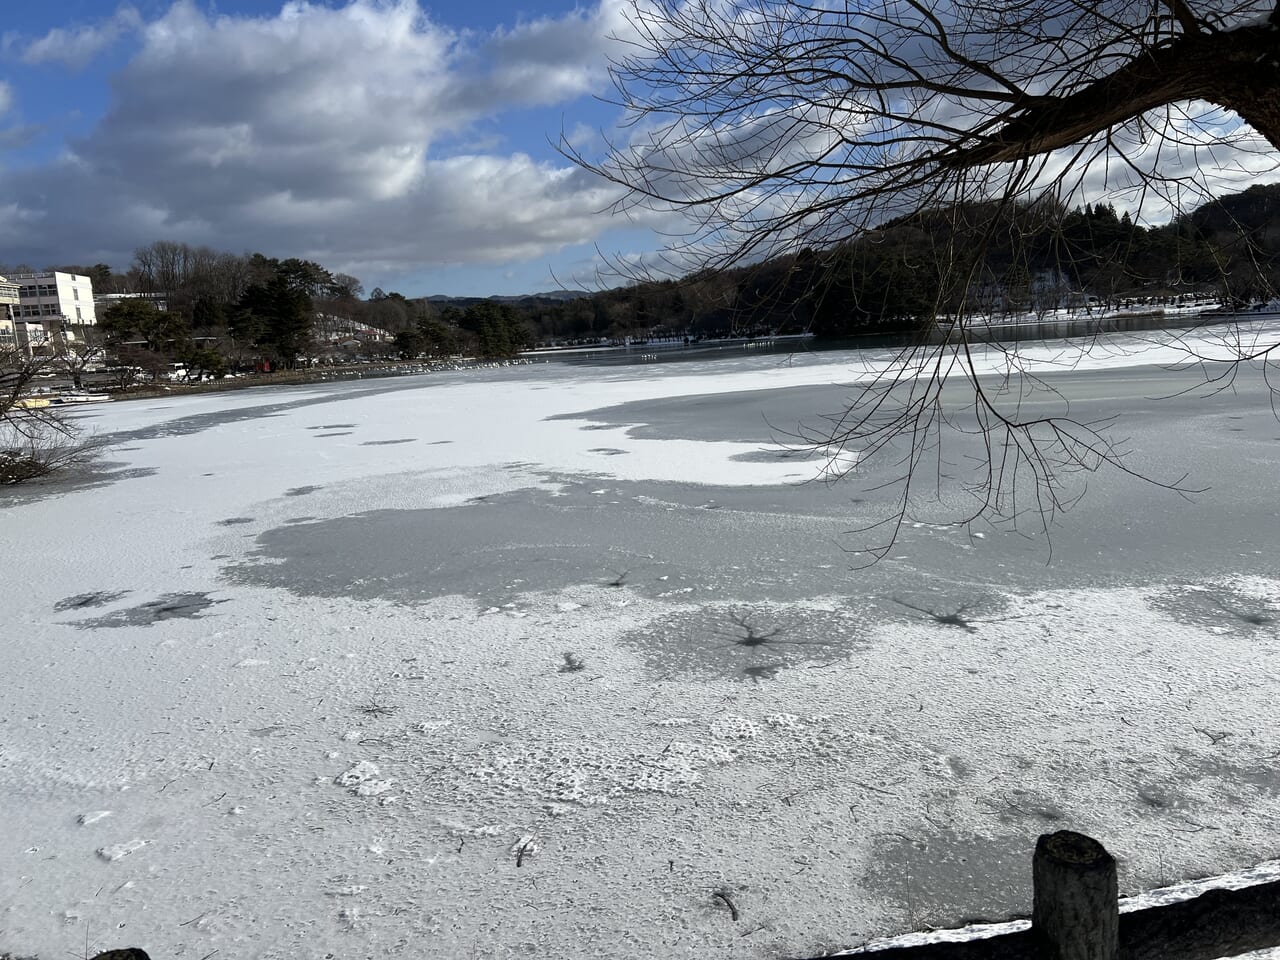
[{"x": 552, "y": 296}]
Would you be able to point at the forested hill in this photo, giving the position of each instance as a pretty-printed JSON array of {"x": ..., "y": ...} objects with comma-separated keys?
[
  {"x": 1256, "y": 211},
  {"x": 216, "y": 311},
  {"x": 984, "y": 257}
]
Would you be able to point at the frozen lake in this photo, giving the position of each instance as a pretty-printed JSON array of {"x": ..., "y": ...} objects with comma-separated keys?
[{"x": 554, "y": 660}]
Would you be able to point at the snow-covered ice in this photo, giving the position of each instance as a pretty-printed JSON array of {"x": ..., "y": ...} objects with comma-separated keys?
[{"x": 548, "y": 661}]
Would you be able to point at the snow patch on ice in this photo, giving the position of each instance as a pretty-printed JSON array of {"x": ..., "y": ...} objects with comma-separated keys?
[
  {"x": 596, "y": 774},
  {"x": 118, "y": 851},
  {"x": 432, "y": 726},
  {"x": 364, "y": 779},
  {"x": 734, "y": 728}
]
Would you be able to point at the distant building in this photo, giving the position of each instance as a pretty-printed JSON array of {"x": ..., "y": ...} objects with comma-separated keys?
[
  {"x": 51, "y": 306},
  {"x": 9, "y": 301},
  {"x": 341, "y": 330},
  {"x": 102, "y": 301}
]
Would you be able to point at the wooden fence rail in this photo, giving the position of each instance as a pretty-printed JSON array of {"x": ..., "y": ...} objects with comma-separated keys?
[{"x": 1076, "y": 916}]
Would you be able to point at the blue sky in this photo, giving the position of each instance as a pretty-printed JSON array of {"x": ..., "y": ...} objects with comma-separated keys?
[{"x": 404, "y": 142}]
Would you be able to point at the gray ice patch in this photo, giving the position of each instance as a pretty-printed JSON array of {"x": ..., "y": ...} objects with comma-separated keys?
[
  {"x": 942, "y": 878},
  {"x": 662, "y": 540},
  {"x": 1217, "y": 607},
  {"x": 170, "y": 606},
  {"x": 1236, "y": 779},
  {"x": 780, "y": 455},
  {"x": 752, "y": 644},
  {"x": 83, "y": 601},
  {"x": 83, "y": 476}
]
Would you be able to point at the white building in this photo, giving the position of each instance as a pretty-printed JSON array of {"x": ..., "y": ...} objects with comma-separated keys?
[
  {"x": 104, "y": 301},
  {"x": 9, "y": 301},
  {"x": 332, "y": 329},
  {"x": 51, "y": 305}
]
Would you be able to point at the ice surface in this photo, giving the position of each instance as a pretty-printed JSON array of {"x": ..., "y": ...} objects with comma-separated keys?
[{"x": 312, "y": 740}]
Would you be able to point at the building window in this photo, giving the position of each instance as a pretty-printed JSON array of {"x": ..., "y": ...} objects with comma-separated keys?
[
  {"x": 75, "y": 293},
  {"x": 78, "y": 317}
]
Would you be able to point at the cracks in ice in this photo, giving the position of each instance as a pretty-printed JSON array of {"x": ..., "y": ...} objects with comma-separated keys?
[
  {"x": 754, "y": 644},
  {"x": 375, "y": 708},
  {"x": 956, "y": 617},
  {"x": 749, "y": 635}
]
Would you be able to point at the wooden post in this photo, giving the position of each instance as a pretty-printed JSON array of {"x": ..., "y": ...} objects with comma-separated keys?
[{"x": 1075, "y": 913}]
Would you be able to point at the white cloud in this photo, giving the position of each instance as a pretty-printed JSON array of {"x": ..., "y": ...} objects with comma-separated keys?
[
  {"x": 330, "y": 133},
  {"x": 19, "y": 134},
  {"x": 543, "y": 62},
  {"x": 76, "y": 46}
]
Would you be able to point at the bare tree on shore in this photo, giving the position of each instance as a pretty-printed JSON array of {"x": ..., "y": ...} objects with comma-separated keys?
[
  {"x": 35, "y": 438},
  {"x": 768, "y": 126}
]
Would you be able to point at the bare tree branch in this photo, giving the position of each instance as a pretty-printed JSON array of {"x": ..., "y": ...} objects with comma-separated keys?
[{"x": 768, "y": 126}]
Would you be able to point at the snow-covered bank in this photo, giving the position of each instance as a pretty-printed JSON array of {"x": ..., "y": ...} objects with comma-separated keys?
[{"x": 347, "y": 760}]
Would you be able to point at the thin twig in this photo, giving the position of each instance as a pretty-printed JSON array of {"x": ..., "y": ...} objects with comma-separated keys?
[{"x": 723, "y": 897}]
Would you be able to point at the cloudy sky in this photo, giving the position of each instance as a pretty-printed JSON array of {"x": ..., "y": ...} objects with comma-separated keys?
[
  {"x": 410, "y": 143},
  {"x": 407, "y": 142}
]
